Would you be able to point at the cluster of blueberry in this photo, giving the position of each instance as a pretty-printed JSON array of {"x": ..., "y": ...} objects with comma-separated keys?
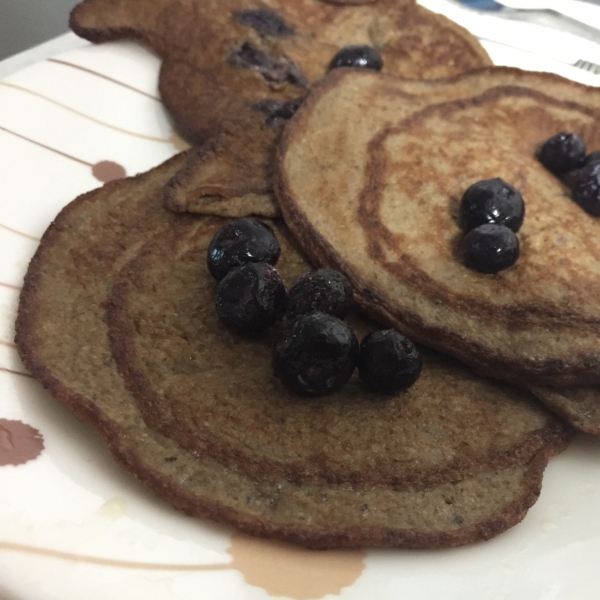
[
  {"x": 316, "y": 352},
  {"x": 564, "y": 154},
  {"x": 491, "y": 212}
]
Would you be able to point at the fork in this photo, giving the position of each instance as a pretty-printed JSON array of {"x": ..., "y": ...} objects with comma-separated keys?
[
  {"x": 584, "y": 12},
  {"x": 493, "y": 6},
  {"x": 586, "y": 65}
]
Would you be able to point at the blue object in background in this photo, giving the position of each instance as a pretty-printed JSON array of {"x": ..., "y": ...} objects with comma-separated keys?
[{"x": 482, "y": 4}]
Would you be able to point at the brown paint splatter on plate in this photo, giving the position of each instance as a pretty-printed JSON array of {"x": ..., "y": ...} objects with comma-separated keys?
[
  {"x": 107, "y": 170},
  {"x": 19, "y": 443},
  {"x": 285, "y": 570}
]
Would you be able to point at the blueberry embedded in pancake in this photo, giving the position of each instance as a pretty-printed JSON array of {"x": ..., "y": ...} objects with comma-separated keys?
[{"x": 264, "y": 21}]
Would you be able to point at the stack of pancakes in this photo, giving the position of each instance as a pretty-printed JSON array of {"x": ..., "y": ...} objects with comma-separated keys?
[
  {"x": 536, "y": 325},
  {"x": 367, "y": 176}
]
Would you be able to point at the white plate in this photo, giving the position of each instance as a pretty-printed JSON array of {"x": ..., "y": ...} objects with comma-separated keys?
[{"x": 74, "y": 526}]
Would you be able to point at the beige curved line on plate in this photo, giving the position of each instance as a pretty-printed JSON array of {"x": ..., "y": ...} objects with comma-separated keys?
[
  {"x": 108, "y": 562},
  {"x": 103, "y": 171},
  {"x": 102, "y": 76},
  {"x": 79, "y": 160},
  {"x": 13, "y": 372},
  {"x": 16, "y": 231},
  {"x": 9, "y": 344},
  {"x": 88, "y": 117},
  {"x": 10, "y": 286}
]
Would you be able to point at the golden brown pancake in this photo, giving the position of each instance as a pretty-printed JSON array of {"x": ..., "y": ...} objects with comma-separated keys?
[
  {"x": 227, "y": 68},
  {"x": 63, "y": 340},
  {"x": 215, "y": 393},
  {"x": 371, "y": 173}
]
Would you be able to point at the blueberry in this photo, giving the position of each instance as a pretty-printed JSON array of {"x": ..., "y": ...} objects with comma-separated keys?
[
  {"x": 562, "y": 153},
  {"x": 388, "y": 362},
  {"x": 276, "y": 111},
  {"x": 491, "y": 248},
  {"x": 251, "y": 298},
  {"x": 365, "y": 57},
  {"x": 315, "y": 355},
  {"x": 273, "y": 69},
  {"x": 324, "y": 290},
  {"x": 240, "y": 242},
  {"x": 264, "y": 21},
  {"x": 248, "y": 56},
  {"x": 586, "y": 191},
  {"x": 492, "y": 201}
]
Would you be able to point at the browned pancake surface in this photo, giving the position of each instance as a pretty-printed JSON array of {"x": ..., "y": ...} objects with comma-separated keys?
[
  {"x": 63, "y": 340},
  {"x": 213, "y": 96},
  {"x": 579, "y": 407},
  {"x": 169, "y": 343},
  {"x": 203, "y": 39},
  {"x": 378, "y": 196}
]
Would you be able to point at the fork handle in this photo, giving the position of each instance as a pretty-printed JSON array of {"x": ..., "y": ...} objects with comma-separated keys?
[{"x": 584, "y": 12}]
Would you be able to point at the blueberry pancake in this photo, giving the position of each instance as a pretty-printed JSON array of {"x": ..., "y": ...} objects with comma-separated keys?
[
  {"x": 63, "y": 340},
  {"x": 215, "y": 393},
  {"x": 372, "y": 171},
  {"x": 234, "y": 71}
]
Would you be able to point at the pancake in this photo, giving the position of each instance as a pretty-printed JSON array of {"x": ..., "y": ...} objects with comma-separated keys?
[
  {"x": 230, "y": 71},
  {"x": 170, "y": 345},
  {"x": 580, "y": 407},
  {"x": 371, "y": 172},
  {"x": 67, "y": 279},
  {"x": 63, "y": 340}
]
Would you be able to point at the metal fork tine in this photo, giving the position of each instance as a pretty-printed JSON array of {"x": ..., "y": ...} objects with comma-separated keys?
[{"x": 586, "y": 65}]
